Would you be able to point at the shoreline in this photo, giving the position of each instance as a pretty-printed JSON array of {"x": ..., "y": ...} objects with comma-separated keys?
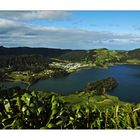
[{"x": 69, "y": 72}]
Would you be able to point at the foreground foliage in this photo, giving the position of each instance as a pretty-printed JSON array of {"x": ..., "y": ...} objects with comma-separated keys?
[{"x": 47, "y": 110}]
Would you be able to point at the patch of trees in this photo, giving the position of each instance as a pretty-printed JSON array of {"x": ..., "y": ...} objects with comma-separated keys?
[
  {"x": 59, "y": 73},
  {"x": 9, "y": 92},
  {"x": 47, "y": 52},
  {"x": 102, "y": 87},
  {"x": 33, "y": 63},
  {"x": 3, "y": 76},
  {"x": 134, "y": 54},
  {"x": 106, "y": 57},
  {"x": 99, "y": 55},
  {"x": 56, "y": 73},
  {"x": 79, "y": 56}
]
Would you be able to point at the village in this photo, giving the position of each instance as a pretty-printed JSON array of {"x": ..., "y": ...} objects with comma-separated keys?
[{"x": 69, "y": 67}]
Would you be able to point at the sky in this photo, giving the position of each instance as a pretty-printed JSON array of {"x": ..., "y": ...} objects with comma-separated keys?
[{"x": 115, "y": 30}]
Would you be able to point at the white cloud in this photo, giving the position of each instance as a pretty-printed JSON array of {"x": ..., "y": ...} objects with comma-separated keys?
[
  {"x": 14, "y": 32},
  {"x": 43, "y": 36},
  {"x": 51, "y": 15},
  {"x": 4, "y": 23},
  {"x": 28, "y": 15}
]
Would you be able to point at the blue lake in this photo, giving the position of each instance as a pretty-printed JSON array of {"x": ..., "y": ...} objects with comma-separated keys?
[{"x": 128, "y": 77}]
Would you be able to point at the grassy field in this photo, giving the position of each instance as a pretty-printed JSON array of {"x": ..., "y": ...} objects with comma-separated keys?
[
  {"x": 133, "y": 61},
  {"x": 26, "y": 76},
  {"x": 101, "y": 101},
  {"x": 20, "y": 76}
]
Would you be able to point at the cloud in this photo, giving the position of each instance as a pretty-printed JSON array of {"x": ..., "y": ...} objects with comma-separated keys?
[
  {"x": 51, "y": 15},
  {"x": 44, "y": 36},
  {"x": 6, "y": 22},
  {"x": 29, "y": 15},
  {"x": 14, "y": 33}
]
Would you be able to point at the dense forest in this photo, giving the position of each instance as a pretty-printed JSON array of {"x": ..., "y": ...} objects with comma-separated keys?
[
  {"x": 24, "y": 62},
  {"x": 28, "y": 68},
  {"x": 72, "y": 55},
  {"x": 103, "y": 86},
  {"x": 47, "y": 52},
  {"x": 134, "y": 54}
]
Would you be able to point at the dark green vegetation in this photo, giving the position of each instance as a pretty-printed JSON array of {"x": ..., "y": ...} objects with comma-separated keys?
[
  {"x": 98, "y": 57},
  {"x": 47, "y": 52},
  {"x": 102, "y": 86},
  {"x": 31, "y": 64},
  {"x": 70, "y": 55},
  {"x": 27, "y": 68},
  {"x": 29, "y": 58},
  {"x": 21, "y": 109},
  {"x": 92, "y": 108},
  {"x": 78, "y": 56},
  {"x": 134, "y": 54}
]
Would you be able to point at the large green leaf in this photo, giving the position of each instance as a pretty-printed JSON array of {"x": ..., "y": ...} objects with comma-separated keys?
[
  {"x": 26, "y": 97},
  {"x": 7, "y": 105},
  {"x": 40, "y": 109}
]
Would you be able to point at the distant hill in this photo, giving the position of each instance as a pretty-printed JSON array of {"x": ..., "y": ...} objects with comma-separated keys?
[
  {"x": 102, "y": 55},
  {"x": 63, "y": 54},
  {"x": 79, "y": 56},
  {"x": 134, "y": 54},
  {"x": 98, "y": 56},
  {"x": 47, "y": 52}
]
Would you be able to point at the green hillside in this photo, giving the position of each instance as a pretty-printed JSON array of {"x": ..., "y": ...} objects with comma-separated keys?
[
  {"x": 100, "y": 57},
  {"x": 134, "y": 54}
]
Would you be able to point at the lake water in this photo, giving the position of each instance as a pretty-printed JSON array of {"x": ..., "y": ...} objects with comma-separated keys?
[
  {"x": 5, "y": 85},
  {"x": 128, "y": 77}
]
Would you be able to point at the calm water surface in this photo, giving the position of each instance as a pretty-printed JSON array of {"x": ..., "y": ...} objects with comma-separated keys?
[{"x": 128, "y": 77}]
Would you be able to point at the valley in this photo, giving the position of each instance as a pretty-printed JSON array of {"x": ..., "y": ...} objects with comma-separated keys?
[
  {"x": 20, "y": 65},
  {"x": 91, "y": 78}
]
